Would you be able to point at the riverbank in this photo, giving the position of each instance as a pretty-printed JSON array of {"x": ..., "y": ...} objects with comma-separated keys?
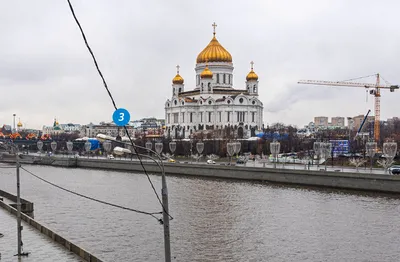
[{"x": 321, "y": 178}]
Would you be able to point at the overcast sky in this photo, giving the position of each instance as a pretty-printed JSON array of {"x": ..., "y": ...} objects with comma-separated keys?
[{"x": 46, "y": 71}]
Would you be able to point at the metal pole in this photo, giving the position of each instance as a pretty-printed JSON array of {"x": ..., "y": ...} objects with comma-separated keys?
[
  {"x": 13, "y": 131},
  {"x": 19, "y": 228},
  {"x": 164, "y": 194},
  {"x": 371, "y": 164}
]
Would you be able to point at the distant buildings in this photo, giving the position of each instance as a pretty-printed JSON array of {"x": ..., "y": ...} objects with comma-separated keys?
[
  {"x": 323, "y": 122},
  {"x": 355, "y": 122},
  {"x": 58, "y": 128},
  {"x": 150, "y": 127}
]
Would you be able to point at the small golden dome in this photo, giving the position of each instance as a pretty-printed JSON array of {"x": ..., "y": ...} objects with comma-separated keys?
[
  {"x": 251, "y": 75},
  {"x": 214, "y": 52},
  {"x": 19, "y": 124},
  {"x": 206, "y": 73},
  {"x": 177, "y": 80}
]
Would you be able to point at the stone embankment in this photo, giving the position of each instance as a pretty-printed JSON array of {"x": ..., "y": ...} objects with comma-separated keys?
[
  {"x": 52, "y": 234},
  {"x": 343, "y": 180}
]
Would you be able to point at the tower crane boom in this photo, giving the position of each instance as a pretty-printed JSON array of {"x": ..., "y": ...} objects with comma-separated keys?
[{"x": 375, "y": 92}]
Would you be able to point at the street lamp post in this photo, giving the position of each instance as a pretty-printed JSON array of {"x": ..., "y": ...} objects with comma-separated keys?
[
  {"x": 107, "y": 146},
  {"x": 70, "y": 146},
  {"x": 370, "y": 148},
  {"x": 172, "y": 147},
  {"x": 158, "y": 147},
  {"x": 230, "y": 150},
  {"x": 19, "y": 227},
  {"x": 389, "y": 151},
  {"x": 238, "y": 146},
  {"x": 191, "y": 153},
  {"x": 317, "y": 151},
  {"x": 88, "y": 145},
  {"x": 149, "y": 146},
  {"x": 325, "y": 149},
  {"x": 39, "y": 145},
  {"x": 199, "y": 148},
  {"x": 275, "y": 148},
  {"x": 53, "y": 146},
  {"x": 13, "y": 131}
]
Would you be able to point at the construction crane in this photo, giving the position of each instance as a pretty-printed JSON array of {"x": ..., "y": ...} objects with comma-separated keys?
[{"x": 376, "y": 92}]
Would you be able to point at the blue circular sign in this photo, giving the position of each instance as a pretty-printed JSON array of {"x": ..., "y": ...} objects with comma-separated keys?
[{"x": 121, "y": 117}]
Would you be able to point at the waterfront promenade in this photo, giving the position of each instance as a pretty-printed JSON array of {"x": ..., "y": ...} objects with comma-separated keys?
[{"x": 40, "y": 247}]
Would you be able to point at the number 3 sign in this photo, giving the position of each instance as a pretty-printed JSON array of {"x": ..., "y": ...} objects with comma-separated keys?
[{"x": 121, "y": 117}]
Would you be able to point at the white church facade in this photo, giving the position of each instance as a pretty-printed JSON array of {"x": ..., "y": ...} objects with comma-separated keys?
[{"x": 214, "y": 103}]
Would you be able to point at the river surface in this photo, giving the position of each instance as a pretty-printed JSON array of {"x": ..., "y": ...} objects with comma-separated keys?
[{"x": 214, "y": 220}]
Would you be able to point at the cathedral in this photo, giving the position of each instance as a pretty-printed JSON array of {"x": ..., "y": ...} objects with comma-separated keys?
[{"x": 214, "y": 104}]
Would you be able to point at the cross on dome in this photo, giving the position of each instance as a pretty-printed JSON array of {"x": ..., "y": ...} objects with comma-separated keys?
[
  {"x": 214, "y": 25},
  {"x": 177, "y": 80},
  {"x": 252, "y": 75}
]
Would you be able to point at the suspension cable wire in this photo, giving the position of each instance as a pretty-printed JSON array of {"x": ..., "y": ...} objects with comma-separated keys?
[
  {"x": 352, "y": 79},
  {"x": 94, "y": 199},
  {"x": 113, "y": 102},
  {"x": 387, "y": 82}
]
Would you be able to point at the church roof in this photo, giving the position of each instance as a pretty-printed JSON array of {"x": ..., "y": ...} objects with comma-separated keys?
[{"x": 214, "y": 52}]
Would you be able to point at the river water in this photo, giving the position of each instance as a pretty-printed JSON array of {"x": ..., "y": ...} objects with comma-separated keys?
[{"x": 214, "y": 220}]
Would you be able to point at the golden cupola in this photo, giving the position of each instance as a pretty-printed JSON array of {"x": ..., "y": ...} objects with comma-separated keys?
[
  {"x": 214, "y": 52},
  {"x": 19, "y": 123},
  {"x": 252, "y": 75},
  {"x": 206, "y": 73},
  {"x": 177, "y": 80}
]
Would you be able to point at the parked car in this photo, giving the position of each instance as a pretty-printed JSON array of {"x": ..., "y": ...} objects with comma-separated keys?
[
  {"x": 394, "y": 170},
  {"x": 209, "y": 161},
  {"x": 110, "y": 157},
  {"x": 170, "y": 160},
  {"x": 240, "y": 161}
]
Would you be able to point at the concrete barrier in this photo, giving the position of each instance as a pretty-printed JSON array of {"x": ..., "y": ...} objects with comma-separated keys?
[
  {"x": 53, "y": 235},
  {"x": 332, "y": 179},
  {"x": 26, "y": 206},
  {"x": 355, "y": 181}
]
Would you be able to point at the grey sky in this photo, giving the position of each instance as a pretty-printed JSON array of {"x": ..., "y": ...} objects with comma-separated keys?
[{"x": 46, "y": 71}]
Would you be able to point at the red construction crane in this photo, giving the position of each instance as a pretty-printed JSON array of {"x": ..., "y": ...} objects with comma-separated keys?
[{"x": 376, "y": 91}]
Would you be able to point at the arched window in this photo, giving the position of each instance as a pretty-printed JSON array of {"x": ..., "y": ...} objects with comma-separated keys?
[
  {"x": 209, "y": 87},
  {"x": 173, "y": 90},
  {"x": 224, "y": 79},
  {"x": 255, "y": 89},
  {"x": 180, "y": 89},
  {"x": 217, "y": 78}
]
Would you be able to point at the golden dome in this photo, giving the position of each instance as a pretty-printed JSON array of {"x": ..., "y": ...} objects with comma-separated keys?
[
  {"x": 206, "y": 73},
  {"x": 178, "y": 80},
  {"x": 19, "y": 124},
  {"x": 251, "y": 75},
  {"x": 214, "y": 52}
]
